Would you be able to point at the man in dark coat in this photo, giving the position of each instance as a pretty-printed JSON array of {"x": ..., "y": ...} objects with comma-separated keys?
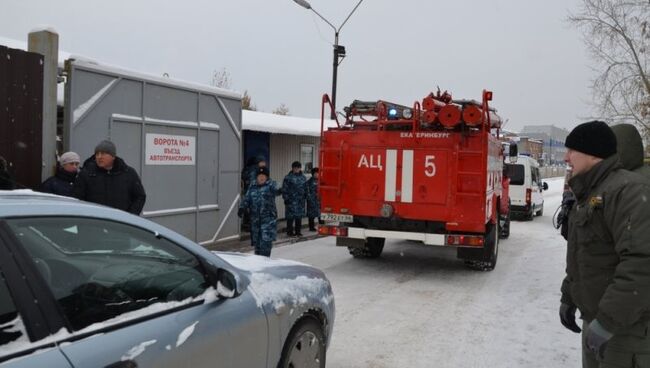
[
  {"x": 62, "y": 183},
  {"x": 259, "y": 203},
  {"x": 106, "y": 179},
  {"x": 294, "y": 195},
  {"x": 608, "y": 252},
  {"x": 313, "y": 199}
]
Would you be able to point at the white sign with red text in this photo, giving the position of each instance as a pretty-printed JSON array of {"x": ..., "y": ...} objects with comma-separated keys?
[{"x": 165, "y": 149}]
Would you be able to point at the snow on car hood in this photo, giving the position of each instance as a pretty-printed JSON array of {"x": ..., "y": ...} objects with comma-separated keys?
[
  {"x": 255, "y": 263},
  {"x": 281, "y": 283}
]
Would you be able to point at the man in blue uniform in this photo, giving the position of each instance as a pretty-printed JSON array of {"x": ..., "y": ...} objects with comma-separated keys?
[
  {"x": 313, "y": 200},
  {"x": 259, "y": 203},
  {"x": 294, "y": 194}
]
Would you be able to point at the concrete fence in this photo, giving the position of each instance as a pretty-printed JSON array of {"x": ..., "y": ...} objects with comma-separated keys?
[{"x": 552, "y": 171}]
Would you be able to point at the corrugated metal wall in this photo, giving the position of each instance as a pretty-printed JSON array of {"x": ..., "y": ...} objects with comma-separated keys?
[
  {"x": 285, "y": 149},
  {"x": 196, "y": 198}
]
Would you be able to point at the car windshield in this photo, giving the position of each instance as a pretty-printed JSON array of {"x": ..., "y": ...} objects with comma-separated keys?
[
  {"x": 100, "y": 269},
  {"x": 516, "y": 174}
]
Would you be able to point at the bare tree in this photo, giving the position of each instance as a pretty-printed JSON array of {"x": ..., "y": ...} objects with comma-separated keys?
[
  {"x": 281, "y": 110},
  {"x": 617, "y": 35},
  {"x": 221, "y": 78},
  {"x": 246, "y": 102}
]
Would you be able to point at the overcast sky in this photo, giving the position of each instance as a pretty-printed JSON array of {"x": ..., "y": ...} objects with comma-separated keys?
[{"x": 399, "y": 51}]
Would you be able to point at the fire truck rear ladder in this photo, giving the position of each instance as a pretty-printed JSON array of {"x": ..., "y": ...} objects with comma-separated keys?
[{"x": 338, "y": 168}]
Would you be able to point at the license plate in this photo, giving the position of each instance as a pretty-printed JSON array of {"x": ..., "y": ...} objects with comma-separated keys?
[{"x": 336, "y": 217}]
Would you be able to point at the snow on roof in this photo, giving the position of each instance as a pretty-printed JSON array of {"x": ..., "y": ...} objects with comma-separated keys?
[
  {"x": 103, "y": 67},
  {"x": 282, "y": 124},
  {"x": 94, "y": 64},
  {"x": 251, "y": 120}
]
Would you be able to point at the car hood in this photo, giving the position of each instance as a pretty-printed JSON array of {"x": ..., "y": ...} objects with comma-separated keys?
[{"x": 279, "y": 282}]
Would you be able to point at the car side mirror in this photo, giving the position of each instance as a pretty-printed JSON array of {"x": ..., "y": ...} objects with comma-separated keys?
[
  {"x": 225, "y": 282},
  {"x": 545, "y": 186}
]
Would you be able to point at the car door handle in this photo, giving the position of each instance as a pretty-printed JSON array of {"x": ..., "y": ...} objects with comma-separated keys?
[{"x": 123, "y": 364}]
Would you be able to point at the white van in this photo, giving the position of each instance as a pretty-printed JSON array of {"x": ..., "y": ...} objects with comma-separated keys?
[{"x": 526, "y": 187}]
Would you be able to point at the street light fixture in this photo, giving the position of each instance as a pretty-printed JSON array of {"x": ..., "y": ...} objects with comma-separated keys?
[{"x": 339, "y": 50}]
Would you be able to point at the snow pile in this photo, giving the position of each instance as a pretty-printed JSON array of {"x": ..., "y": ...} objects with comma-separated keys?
[
  {"x": 277, "y": 292},
  {"x": 137, "y": 350}
]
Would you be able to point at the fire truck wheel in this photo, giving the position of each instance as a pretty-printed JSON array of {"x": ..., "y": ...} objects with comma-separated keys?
[
  {"x": 490, "y": 252},
  {"x": 372, "y": 249}
]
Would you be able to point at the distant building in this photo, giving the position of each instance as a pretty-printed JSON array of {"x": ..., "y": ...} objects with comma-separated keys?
[
  {"x": 531, "y": 147},
  {"x": 552, "y": 139}
]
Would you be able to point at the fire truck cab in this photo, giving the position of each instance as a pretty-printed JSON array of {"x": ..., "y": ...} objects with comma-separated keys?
[{"x": 430, "y": 172}]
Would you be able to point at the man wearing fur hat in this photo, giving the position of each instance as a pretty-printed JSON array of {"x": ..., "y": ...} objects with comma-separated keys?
[
  {"x": 608, "y": 252},
  {"x": 106, "y": 179},
  {"x": 259, "y": 203},
  {"x": 62, "y": 183}
]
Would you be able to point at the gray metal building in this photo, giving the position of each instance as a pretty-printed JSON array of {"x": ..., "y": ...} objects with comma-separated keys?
[{"x": 183, "y": 139}]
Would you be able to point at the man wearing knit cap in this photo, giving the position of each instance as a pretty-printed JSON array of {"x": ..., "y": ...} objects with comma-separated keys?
[
  {"x": 62, "y": 183},
  {"x": 608, "y": 252},
  {"x": 106, "y": 179}
]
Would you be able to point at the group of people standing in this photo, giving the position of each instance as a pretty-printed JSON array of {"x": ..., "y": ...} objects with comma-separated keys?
[
  {"x": 300, "y": 197},
  {"x": 104, "y": 178}
]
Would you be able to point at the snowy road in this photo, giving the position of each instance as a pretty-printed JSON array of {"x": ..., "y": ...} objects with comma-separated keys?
[{"x": 418, "y": 306}]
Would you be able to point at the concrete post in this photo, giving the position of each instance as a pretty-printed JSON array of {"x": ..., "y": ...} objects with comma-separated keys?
[{"x": 46, "y": 43}]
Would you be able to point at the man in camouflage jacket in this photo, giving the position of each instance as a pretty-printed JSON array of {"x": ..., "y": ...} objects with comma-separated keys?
[
  {"x": 259, "y": 203},
  {"x": 608, "y": 252},
  {"x": 294, "y": 194}
]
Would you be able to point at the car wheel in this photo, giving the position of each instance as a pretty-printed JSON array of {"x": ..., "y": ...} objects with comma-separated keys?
[
  {"x": 541, "y": 211},
  {"x": 372, "y": 249},
  {"x": 305, "y": 346}
]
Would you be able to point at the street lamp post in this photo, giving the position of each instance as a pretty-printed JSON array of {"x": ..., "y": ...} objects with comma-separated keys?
[{"x": 339, "y": 50}]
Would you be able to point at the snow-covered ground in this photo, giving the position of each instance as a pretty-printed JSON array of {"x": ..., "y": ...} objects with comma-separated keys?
[{"x": 418, "y": 306}]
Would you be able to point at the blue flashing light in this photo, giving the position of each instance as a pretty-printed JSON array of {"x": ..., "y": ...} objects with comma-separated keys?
[{"x": 392, "y": 112}]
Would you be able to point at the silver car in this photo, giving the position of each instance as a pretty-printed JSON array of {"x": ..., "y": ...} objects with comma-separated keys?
[{"x": 82, "y": 285}]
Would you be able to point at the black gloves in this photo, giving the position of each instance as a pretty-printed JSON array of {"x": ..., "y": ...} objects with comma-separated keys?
[
  {"x": 597, "y": 337},
  {"x": 240, "y": 212},
  {"x": 568, "y": 317}
]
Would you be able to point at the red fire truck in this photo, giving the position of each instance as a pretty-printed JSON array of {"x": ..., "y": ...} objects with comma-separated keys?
[{"x": 430, "y": 172}]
